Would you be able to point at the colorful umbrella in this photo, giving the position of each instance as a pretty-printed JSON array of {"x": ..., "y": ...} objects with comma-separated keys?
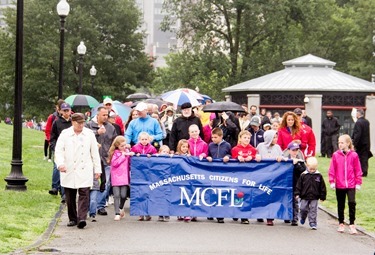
[
  {"x": 82, "y": 100},
  {"x": 120, "y": 109},
  {"x": 180, "y": 96}
]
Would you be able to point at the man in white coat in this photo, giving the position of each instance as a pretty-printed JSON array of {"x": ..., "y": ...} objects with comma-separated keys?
[{"x": 77, "y": 158}]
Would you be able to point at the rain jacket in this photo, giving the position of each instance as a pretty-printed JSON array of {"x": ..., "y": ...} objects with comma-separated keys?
[
  {"x": 144, "y": 149},
  {"x": 119, "y": 169},
  {"x": 345, "y": 170},
  {"x": 311, "y": 186},
  {"x": 308, "y": 141},
  {"x": 285, "y": 137},
  {"x": 198, "y": 147},
  {"x": 219, "y": 150},
  {"x": 146, "y": 124}
]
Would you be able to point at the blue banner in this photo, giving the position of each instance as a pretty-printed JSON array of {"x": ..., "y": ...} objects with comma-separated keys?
[{"x": 186, "y": 186}]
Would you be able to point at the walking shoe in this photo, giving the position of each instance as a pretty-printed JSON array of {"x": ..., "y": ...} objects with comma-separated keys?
[
  {"x": 117, "y": 217},
  {"x": 53, "y": 191},
  {"x": 141, "y": 218},
  {"x": 352, "y": 230},
  {"x": 122, "y": 213},
  {"x": 313, "y": 227},
  {"x": 260, "y": 220},
  {"x": 81, "y": 224},
  {"x": 187, "y": 219},
  {"x": 294, "y": 223},
  {"x": 161, "y": 218},
  {"x": 235, "y": 219},
  {"x": 148, "y": 218},
  {"x": 102, "y": 211},
  {"x": 194, "y": 219},
  {"x": 341, "y": 228},
  {"x": 269, "y": 222},
  {"x": 111, "y": 200},
  {"x": 180, "y": 218},
  {"x": 245, "y": 221},
  {"x": 166, "y": 218},
  {"x": 220, "y": 221},
  {"x": 45, "y": 158},
  {"x": 302, "y": 221},
  {"x": 92, "y": 218},
  {"x": 71, "y": 223},
  {"x": 49, "y": 160},
  {"x": 209, "y": 218},
  {"x": 286, "y": 221}
]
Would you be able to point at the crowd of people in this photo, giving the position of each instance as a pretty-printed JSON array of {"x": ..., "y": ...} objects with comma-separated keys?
[{"x": 102, "y": 147}]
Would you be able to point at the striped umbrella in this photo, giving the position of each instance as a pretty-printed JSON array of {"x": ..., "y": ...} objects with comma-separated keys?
[
  {"x": 181, "y": 96},
  {"x": 82, "y": 100}
]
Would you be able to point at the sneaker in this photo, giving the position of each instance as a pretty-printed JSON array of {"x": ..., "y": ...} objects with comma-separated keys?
[
  {"x": 341, "y": 228},
  {"x": 294, "y": 223},
  {"x": 81, "y": 224},
  {"x": 166, "y": 218},
  {"x": 194, "y": 219},
  {"x": 117, "y": 217},
  {"x": 269, "y": 222},
  {"x": 209, "y": 218},
  {"x": 111, "y": 200},
  {"x": 102, "y": 211},
  {"x": 45, "y": 158},
  {"x": 161, "y": 218},
  {"x": 260, "y": 220},
  {"x": 180, "y": 218},
  {"x": 148, "y": 218},
  {"x": 141, "y": 218},
  {"x": 352, "y": 230},
  {"x": 53, "y": 191},
  {"x": 302, "y": 221},
  {"x": 92, "y": 218},
  {"x": 122, "y": 213},
  {"x": 235, "y": 219},
  {"x": 187, "y": 219},
  {"x": 245, "y": 221},
  {"x": 220, "y": 221},
  {"x": 49, "y": 160},
  {"x": 313, "y": 227},
  {"x": 286, "y": 221}
]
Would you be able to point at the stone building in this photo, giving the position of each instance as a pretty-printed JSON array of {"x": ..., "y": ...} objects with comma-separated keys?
[{"x": 310, "y": 83}]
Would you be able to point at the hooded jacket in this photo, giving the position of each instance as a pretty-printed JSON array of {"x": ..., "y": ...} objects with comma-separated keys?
[
  {"x": 244, "y": 151},
  {"x": 311, "y": 186},
  {"x": 265, "y": 150},
  {"x": 345, "y": 170},
  {"x": 198, "y": 147},
  {"x": 119, "y": 169},
  {"x": 144, "y": 149}
]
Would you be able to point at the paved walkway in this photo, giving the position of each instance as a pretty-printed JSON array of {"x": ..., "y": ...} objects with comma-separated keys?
[{"x": 129, "y": 236}]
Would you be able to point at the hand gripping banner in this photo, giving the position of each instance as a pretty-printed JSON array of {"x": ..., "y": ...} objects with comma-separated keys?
[{"x": 186, "y": 186}]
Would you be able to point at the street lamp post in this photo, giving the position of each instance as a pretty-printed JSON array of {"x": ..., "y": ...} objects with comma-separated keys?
[
  {"x": 373, "y": 54},
  {"x": 81, "y": 49},
  {"x": 93, "y": 74},
  {"x": 63, "y": 9},
  {"x": 16, "y": 180}
]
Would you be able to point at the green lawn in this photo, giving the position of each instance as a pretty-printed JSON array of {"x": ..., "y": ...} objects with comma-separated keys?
[{"x": 26, "y": 215}]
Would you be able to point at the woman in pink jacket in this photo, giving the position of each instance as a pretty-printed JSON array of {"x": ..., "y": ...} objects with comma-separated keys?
[
  {"x": 345, "y": 175},
  {"x": 119, "y": 161}
]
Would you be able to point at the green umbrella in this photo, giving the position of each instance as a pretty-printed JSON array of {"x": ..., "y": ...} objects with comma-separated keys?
[{"x": 82, "y": 100}]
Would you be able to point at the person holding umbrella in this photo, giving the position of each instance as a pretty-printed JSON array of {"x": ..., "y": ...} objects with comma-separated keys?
[{"x": 108, "y": 103}]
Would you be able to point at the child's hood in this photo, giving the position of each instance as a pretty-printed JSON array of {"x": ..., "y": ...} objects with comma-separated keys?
[{"x": 268, "y": 137}]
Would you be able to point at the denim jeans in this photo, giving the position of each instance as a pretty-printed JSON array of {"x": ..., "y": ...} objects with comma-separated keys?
[
  {"x": 93, "y": 202},
  {"x": 102, "y": 196},
  {"x": 56, "y": 180}
]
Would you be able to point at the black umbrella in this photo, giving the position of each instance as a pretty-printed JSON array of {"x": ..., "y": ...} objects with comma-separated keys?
[
  {"x": 138, "y": 96},
  {"x": 223, "y": 106},
  {"x": 156, "y": 101}
]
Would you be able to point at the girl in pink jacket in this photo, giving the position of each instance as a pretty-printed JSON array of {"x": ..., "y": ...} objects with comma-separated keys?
[
  {"x": 198, "y": 147},
  {"x": 345, "y": 175},
  {"x": 119, "y": 161}
]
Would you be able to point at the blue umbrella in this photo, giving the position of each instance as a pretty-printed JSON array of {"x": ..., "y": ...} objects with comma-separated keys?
[{"x": 120, "y": 109}]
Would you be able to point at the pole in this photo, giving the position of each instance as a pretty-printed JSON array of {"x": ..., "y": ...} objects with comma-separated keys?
[
  {"x": 61, "y": 71},
  {"x": 92, "y": 85},
  {"x": 80, "y": 74},
  {"x": 15, "y": 180}
]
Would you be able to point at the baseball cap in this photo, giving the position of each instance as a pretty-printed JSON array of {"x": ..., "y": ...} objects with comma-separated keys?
[
  {"x": 298, "y": 111},
  {"x": 141, "y": 106},
  {"x": 79, "y": 117},
  {"x": 107, "y": 100},
  {"x": 186, "y": 105},
  {"x": 293, "y": 146},
  {"x": 255, "y": 121},
  {"x": 65, "y": 106}
]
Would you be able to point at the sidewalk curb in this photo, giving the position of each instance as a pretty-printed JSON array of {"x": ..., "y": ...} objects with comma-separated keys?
[
  {"x": 359, "y": 228},
  {"x": 46, "y": 235}
]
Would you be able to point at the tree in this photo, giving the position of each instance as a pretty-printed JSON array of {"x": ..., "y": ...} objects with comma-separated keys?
[{"x": 113, "y": 45}]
